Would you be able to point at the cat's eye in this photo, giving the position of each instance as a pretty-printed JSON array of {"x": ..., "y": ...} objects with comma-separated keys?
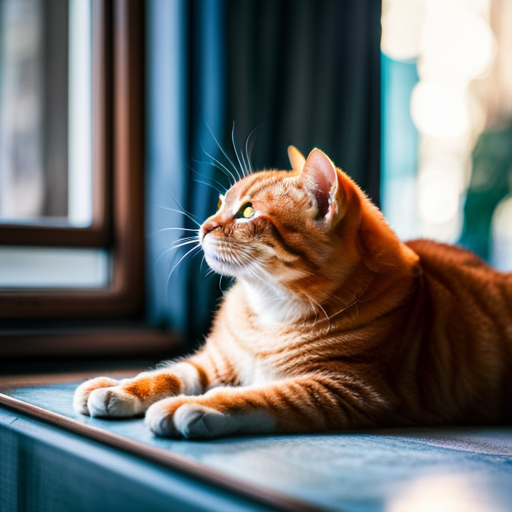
[
  {"x": 246, "y": 212},
  {"x": 221, "y": 202}
]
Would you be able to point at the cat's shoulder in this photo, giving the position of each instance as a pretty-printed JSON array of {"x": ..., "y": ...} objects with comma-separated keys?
[{"x": 445, "y": 254}]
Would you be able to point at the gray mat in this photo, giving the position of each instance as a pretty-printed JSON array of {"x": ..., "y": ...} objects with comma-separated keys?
[{"x": 399, "y": 470}]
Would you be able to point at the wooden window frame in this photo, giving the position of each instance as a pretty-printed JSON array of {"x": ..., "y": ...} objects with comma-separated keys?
[{"x": 118, "y": 161}]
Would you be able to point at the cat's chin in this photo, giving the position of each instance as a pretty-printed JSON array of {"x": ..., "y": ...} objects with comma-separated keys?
[{"x": 221, "y": 267}]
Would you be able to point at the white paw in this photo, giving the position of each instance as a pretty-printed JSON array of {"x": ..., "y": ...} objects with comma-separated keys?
[
  {"x": 83, "y": 391},
  {"x": 160, "y": 421},
  {"x": 194, "y": 421},
  {"x": 113, "y": 402},
  {"x": 189, "y": 420}
]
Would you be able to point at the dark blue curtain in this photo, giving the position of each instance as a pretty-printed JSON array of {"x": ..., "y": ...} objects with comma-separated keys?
[{"x": 303, "y": 72}]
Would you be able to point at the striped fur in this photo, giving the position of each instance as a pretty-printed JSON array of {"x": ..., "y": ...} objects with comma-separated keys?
[{"x": 332, "y": 324}]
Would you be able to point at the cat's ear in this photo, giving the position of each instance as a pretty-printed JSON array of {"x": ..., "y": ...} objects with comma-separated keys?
[
  {"x": 296, "y": 158},
  {"x": 320, "y": 178}
]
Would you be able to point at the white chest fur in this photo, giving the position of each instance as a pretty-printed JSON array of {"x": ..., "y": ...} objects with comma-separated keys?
[{"x": 273, "y": 305}]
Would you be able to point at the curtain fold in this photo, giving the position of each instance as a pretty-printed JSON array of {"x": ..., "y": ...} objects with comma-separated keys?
[{"x": 302, "y": 72}]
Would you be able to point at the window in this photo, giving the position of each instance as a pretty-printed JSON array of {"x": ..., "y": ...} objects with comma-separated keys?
[
  {"x": 46, "y": 112},
  {"x": 47, "y": 108},
  {"x": 71, "y": 206},
  {"x": 204, "y": 67}
]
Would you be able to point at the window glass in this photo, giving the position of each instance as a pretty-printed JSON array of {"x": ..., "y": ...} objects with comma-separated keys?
[
  {"x": 45, "y": 111},
  {"x": 38, "y": 267}
]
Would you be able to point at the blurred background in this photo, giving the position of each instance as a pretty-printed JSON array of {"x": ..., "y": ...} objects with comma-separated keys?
[
  {"x": 447, "y": 123},
  {"x": 413, "y": 98}
]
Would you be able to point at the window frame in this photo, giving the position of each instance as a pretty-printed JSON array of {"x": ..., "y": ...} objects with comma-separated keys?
[{"x": 118, "y": 163}]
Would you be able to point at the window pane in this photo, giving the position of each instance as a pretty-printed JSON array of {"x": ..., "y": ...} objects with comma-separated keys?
[
  {"x": 45, "y": 111},
  {"x": 37, "y": 267}
]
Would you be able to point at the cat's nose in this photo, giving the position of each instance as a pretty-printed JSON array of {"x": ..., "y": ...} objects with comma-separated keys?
[{"x": 209, "y": 226}]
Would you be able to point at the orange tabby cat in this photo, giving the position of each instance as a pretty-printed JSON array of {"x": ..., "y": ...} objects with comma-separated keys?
[{"x": 333, "y": 323}]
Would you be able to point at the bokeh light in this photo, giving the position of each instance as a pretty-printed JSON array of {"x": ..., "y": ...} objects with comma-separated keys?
[
  {"x": 402, "y": 23},
  {"x": 457, "y": 45},
  {"x": 439, "y": 189},
  {"x": 444, "y": 493},
  {"x": 439, "y": 110},
  {"x": 501, "y": 248},
  {"x": 454, "y": 47}
]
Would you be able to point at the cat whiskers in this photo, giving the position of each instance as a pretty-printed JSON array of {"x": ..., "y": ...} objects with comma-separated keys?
[
  {"x": 224, "y": 153},
  {"x": 247, "y": 151},
  {"x": 223, "y": 188},
  {"x": 191, "y": 253},
  {"x": 345, "y": 305},
  {"x": 316, "y": 305},
  {"x": 220, "y": 285},
  {"x": 243, "y": 167},
  {"x": 344, "y": 309},
  {"x": 220, "y": 191},
  {"x": 244, "y": 161},
  {"x": 176, "y": 245},
  {"x": 193, "y": 218},
  {"x": 173, "y": 229},
  {"x": 240, "y": 256},
  {"x": 249, "y": 264},
  {"x": 218, "y": 165},
  {"x": 183, "y": 241}
]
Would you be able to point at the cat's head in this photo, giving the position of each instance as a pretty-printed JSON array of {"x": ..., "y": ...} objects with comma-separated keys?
[{"x": 307, "y": 229}]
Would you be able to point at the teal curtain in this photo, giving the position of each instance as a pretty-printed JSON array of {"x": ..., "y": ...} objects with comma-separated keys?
[{"x": 302, "y": 72}]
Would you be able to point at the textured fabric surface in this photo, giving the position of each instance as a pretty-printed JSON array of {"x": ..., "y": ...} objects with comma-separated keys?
[
  {"x": 45, "y": 469},
  {"x": 466, "y": 469}
]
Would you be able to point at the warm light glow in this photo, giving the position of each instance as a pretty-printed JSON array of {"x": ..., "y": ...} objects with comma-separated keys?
[
  {"x": 439, "y": 110},
  {"x": 454, "y": 46},
  {"x": 438, "y": 193},
  {"x": 444, "y": 493},
  {"x": 457, "y": 46},
  {"x": 402, "y": 24},
  {"x": 501, "y": 242}
]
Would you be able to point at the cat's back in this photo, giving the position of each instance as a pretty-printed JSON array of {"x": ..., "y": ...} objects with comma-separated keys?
[
  {"x": 464, "y": 312},
  {"x": 451, "y": 263},
  {"x": 445, "y": 254},
  {"x": 461, "y": 295}
]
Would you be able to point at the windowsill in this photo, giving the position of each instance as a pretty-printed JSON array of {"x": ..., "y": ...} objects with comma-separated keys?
[
  {"x": 49, "y": 398},
  {"x": 350, "y": 471}
]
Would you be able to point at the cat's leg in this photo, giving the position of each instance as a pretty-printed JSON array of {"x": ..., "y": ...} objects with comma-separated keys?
[
  {"x": 305, "y": 404},
  {"x": 131, "y": 397}
]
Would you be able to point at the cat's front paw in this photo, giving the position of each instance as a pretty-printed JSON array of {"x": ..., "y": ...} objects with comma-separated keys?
[
  {"x": 104, "y": 397},
  {"x": 83, "y": 392},
  {"x": 113, "y": 402},
  {"x": 173, "y": 417}
]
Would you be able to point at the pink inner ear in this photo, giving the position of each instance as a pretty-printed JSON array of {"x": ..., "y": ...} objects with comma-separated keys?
[{"x": 320, "y": 176}]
